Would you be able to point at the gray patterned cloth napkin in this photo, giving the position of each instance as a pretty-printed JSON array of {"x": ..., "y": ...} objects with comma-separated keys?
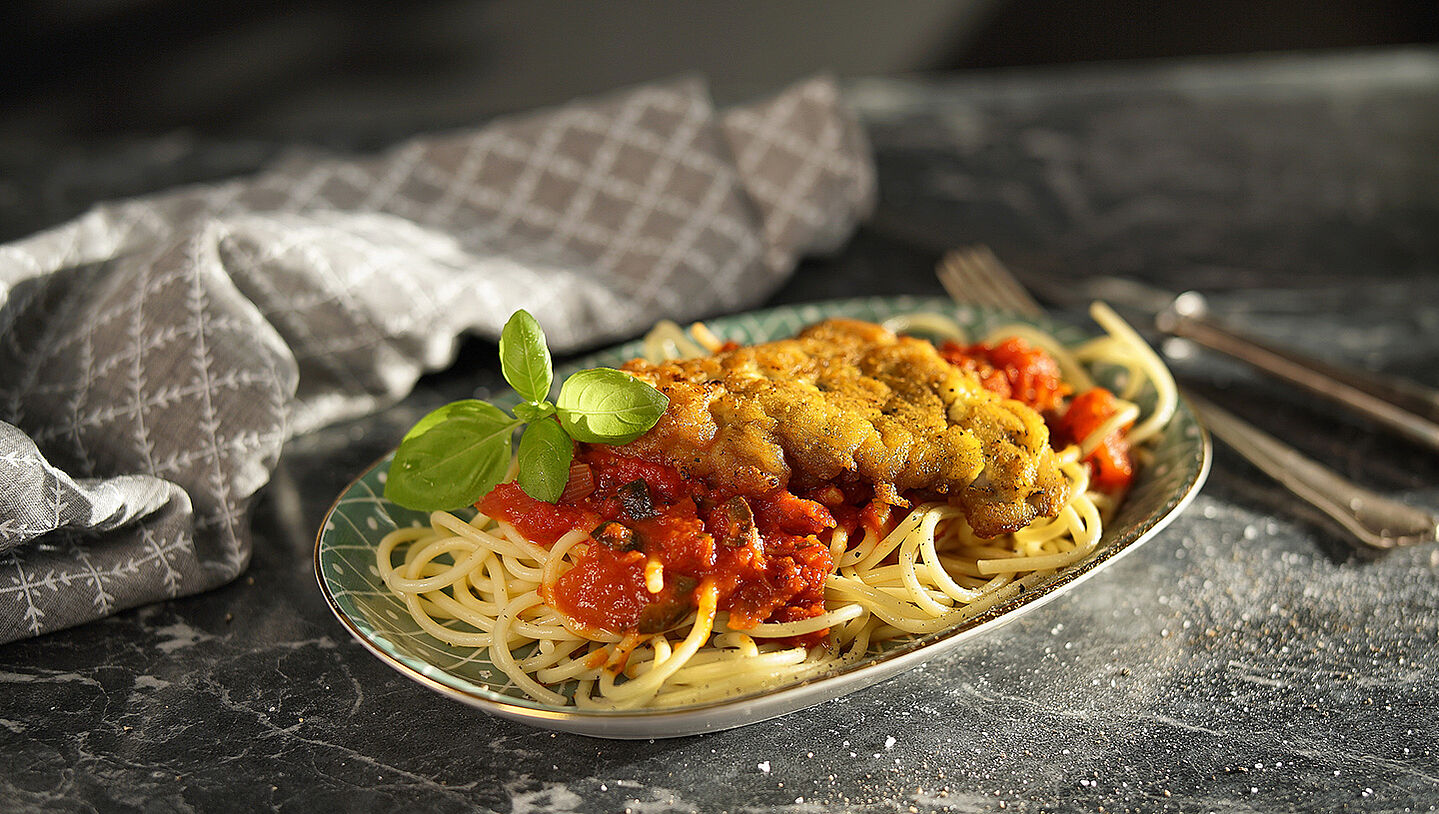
[{"x": 155, "y": 354}]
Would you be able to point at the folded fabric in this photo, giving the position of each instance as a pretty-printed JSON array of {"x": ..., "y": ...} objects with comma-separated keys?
[{"x": 155, "y": 354}]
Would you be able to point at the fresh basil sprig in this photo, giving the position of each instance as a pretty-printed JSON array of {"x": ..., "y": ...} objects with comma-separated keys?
[{"x": 455, "y": 455}]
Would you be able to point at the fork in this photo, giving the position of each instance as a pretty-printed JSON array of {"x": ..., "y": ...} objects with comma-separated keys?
[{"x": 975, "y": 276}]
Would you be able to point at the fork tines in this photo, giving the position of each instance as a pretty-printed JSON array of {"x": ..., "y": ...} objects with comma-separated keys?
[{"x": 974, "y": 274}]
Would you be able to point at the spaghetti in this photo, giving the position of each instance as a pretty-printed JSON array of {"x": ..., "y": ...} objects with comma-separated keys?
[{"x": 538, "y": 600}]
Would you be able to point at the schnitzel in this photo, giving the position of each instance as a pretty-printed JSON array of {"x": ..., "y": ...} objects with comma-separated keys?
[{"x": 849, "y": 402}]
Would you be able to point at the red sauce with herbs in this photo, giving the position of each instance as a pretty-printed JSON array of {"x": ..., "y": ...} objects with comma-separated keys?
[{"x": 762, "y": 552}]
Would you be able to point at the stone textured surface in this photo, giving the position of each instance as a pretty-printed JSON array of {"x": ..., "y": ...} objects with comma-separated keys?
[{"x": 1244, "y": 660}]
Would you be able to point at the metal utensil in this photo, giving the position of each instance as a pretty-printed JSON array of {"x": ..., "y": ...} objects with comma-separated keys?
[
  {"x": 1373, "y": 519},
  {"x": 1404, "y": 407},
  {"x": 975, "y": 276}
]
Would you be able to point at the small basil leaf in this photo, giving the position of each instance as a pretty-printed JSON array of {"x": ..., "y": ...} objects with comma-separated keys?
[
  {"x": 545, "y": 453},
  {"x": 468, "y": 407},
  {"x": 605, "y": 406},
  {"x": 525, "y": 358},
  {"x": 530, "y": 413},
  {"x": 452, "y": 464}
]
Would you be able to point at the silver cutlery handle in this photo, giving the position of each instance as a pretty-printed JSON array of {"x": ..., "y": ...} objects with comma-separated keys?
[
  {"x": 1377, "y": 397},
  {"x": 1374, "y": 520}
]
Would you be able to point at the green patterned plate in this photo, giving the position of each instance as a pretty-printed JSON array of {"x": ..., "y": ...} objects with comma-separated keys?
[{"x": 345, "y": 568}]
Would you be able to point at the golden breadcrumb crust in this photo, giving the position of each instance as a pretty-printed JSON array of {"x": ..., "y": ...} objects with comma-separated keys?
[{"x": 848, "y": 400}]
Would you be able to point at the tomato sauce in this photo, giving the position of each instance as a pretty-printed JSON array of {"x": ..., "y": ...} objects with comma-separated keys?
[
  {"x": 607, "y": 590},
  {"x": 545, "y": 523},
  {"x": 1110, "y": 461},
  {"x": 762, "y": 552},
  {"x": 1013, "y": 368}
]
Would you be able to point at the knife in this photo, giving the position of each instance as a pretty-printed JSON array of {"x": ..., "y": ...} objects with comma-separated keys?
[{"x": 1404, "y": 407}]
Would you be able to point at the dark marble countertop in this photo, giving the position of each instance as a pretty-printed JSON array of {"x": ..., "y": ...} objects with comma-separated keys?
[{"x": 1243, "y": 660}]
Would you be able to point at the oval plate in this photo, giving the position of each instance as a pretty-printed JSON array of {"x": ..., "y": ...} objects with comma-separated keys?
[{"x": 345, "y": 567}]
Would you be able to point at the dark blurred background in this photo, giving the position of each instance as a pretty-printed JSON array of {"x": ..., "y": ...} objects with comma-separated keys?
[
  {"x": 260, "y": 67},
  {"x": 85, "y": 81}
]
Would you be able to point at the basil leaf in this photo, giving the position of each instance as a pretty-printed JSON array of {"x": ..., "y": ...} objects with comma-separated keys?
[
  {"x": 545, "y": 453},
  {"x": 605, "y": 406},
  {"x": 530, "y": 413},
  {"x": 525, "y": 358},
  {"x": 452, "y": 464},
  {"x": 475, "y": 408}
]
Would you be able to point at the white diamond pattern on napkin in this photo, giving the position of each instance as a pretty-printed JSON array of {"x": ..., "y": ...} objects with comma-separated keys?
[{"x": 159, "y": 352}]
